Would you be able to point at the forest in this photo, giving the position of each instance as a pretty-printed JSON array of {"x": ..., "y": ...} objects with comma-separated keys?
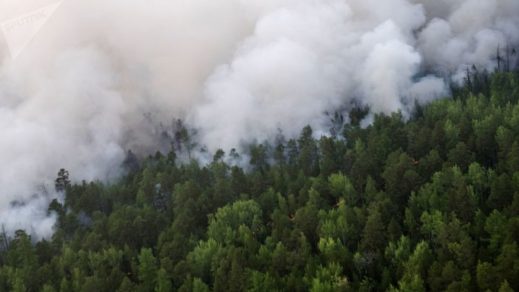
[{"x": 428, "y": 202}]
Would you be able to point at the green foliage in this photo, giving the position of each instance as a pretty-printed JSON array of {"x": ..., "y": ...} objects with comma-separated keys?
[
  {"x": 429, "y": 203},
  {"x": 236, "y": 222},
  {"x": 147, "y": 270}
]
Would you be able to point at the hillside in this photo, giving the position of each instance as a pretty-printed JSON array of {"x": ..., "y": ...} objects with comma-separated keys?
[{"x": 425, "y": 203}]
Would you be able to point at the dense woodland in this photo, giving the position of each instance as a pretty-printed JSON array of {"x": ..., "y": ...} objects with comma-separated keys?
[{"x": 429, "y": 202}]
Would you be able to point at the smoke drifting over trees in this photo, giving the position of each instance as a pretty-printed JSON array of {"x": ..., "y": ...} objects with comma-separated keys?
[{"x": 99, "y": 77}]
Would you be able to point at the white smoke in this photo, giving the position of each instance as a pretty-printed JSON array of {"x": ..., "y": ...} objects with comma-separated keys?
[{"x": 99, "y": 76}]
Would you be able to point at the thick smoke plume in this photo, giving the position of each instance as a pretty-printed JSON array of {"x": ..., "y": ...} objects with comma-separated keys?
[{"x": 99, "y": 76}]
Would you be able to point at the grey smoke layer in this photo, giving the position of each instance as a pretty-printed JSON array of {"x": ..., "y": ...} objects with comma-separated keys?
[{"x": 83, "y": 90}]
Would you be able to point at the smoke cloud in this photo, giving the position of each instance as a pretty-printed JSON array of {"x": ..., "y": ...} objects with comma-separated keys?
[{"x": 95, "y": 78}]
